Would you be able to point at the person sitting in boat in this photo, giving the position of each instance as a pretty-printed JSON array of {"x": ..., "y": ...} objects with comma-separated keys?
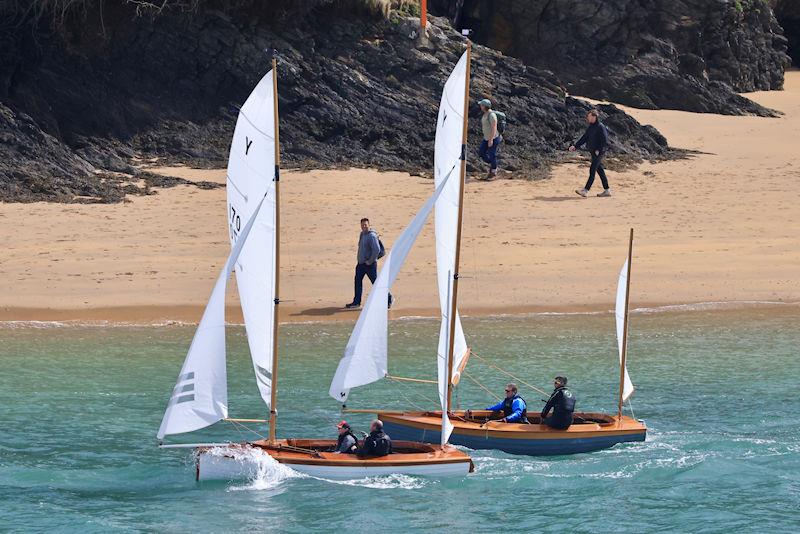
[
  {"x": 562, "y": 402},
  {"x": 347, "y": 443},
  {"x": 514, "y": 407},
  {"x": 377, "y": 443}
]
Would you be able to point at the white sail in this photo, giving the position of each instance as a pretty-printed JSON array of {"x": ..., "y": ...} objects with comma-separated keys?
[
  {"x": 622, "y": 288},
  {"x": 365, "y": 358},
  {"x": 200, "y": 396},
  {"x": 251, "y": 175},
  {"x": 449, "y": 143}
]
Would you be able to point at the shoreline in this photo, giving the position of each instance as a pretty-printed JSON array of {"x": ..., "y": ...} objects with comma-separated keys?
[{"x": 190, "y": 314}]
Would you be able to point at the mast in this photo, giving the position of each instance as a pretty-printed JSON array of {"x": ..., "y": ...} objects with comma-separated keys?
[
  {"x": 273, "y": 411},
  {"x": 454, "y": 301},
  {"x": 625, "y": 328}
]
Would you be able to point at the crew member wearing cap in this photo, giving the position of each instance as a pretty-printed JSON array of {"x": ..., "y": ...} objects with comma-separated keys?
[
  {"x": 347, "y": 442},
  {"x": 491, "y": 138},
  {"x": 562, "y": 402}
]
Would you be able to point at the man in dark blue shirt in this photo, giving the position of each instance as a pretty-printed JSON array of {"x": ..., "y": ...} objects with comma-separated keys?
[
  {"x": 596, "y": 139},
  {"x": 514, "y": 408}
]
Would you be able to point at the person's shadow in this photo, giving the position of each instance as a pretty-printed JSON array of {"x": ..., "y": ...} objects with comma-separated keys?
[
  {"x": 322, "y": 312},
  {"x": 557, "y": 199}
]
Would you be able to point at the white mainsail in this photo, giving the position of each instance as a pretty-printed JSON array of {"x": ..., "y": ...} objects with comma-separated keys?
[
  {"x": 251, "y": 175},
  {"x": 365, "y": 357},
  {"x": 200, "y": 396},
  {"x": 622, "y": 288},
  {"x": 449, "y": 145}
]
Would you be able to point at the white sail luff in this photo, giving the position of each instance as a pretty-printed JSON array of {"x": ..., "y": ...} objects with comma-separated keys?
[
  {"x": 622, "y": 288},
  {"x": 251, "y": 175},
  {"x": 200, "y": 396},
  {"x": 365, "y": 357},
  {"x": 448, "y": 146}
]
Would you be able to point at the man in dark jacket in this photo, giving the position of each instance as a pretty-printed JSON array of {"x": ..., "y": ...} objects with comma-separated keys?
[
  {"x": 596, "y": 139},
  {"x": 562, "y": 402},
  {"x": 377, "y": 443},
  {"x": 369, "y": 249},
  {"x": 347, "y": 442}
]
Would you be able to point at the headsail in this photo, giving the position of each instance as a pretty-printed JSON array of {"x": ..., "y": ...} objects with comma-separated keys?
[
  {"x": 622, "y": 290},
  {"x": 366, "y": 355},
  {"x": 449, "y": 143},
  {"x": 200, "y": 396},
  {"x": 251, "y": 175}
]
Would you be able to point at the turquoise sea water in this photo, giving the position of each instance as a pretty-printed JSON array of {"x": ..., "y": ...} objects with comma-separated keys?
[{"x": 80, "y": 406}]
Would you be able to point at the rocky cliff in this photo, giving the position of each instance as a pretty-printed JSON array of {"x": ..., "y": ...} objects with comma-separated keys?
[
  {"x": 692, "y": 55},
  {"x": 84, "y": 100},
  {"x": 787, "y": 12}
]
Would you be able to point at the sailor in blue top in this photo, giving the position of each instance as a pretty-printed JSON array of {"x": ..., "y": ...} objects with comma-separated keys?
[{"x": 514, "y": 407}]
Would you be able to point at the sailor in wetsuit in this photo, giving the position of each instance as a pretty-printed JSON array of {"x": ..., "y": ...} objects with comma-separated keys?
[
  {"x": 562, "y": 402},
  {"x": 514, "y": 407},
  {"x": 377, "y": 443}
]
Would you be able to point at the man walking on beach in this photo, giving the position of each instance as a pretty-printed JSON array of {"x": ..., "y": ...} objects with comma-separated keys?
[
  {"x": 596, "y": 139},
  {"x": 369, "y": 250},
  {"x": 491, "y": 137}
]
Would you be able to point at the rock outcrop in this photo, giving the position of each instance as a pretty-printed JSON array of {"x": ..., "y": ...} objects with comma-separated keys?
[
  {"x": 692, "y": 55},
  {"x": 353, "y": 92},
  {"x": 788, "y": 14}
]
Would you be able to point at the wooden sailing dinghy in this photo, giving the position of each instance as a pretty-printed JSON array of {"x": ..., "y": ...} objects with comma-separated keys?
[
  {"x": 590, "y": 432},
  {"x": 200, "y": 396}
]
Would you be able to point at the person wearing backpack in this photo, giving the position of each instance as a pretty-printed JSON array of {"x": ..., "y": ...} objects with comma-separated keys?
[
  {"x": 596, "y": 139},
  {"x": 370, "y": 249},
  {"x": 492, "y": 124}
]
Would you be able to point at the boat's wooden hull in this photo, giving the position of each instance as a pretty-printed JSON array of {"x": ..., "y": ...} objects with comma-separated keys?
[
  {"x": 525, "y": 439},
  {"x": 240, "y": 462}
]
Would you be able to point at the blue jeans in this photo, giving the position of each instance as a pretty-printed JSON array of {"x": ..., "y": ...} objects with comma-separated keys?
[
  {"x": 489, "y": 153},
  {"x": 371, "y": 271}
]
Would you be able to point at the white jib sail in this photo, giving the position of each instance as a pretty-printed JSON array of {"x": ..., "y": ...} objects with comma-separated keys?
[
  {"x": 200, "y": 396},
  {"x": 251, "y": 174},
  {"x": 449, "y": 141},
  {"x": 365, "y": 357},
  {"x": 622, "y": 287}
]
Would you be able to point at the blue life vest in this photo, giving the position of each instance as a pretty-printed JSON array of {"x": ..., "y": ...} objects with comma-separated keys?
[{"x": 508, "y": 407}]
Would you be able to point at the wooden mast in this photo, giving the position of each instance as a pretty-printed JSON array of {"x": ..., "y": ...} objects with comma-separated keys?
[
  {"x": 273, "y": 411},
  {"x": 454, "y": 299},
  {"x": 625, "y": 328}
]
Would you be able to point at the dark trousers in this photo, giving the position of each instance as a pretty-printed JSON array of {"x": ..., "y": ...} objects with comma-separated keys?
[
  {"x": 560, "y": 423},
  {"x": 371, "y": 271},
  {"x": 596, "y": 167},
  {"x": 489, "y": 153}
]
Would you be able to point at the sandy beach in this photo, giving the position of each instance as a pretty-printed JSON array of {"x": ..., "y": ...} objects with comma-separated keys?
[{"x": 722, "y": 226}]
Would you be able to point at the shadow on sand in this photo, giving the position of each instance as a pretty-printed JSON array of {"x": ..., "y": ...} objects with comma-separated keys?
[
  {"x": 558, "y": 199},
  {"x": 319, "y": 312}
]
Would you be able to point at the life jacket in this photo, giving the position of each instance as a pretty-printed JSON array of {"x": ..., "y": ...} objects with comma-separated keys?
[
  {"x": 382, "y": 444},
  {"x": 565, "y": 404},
  {"x": 508, "y": 407},
  {"x": 341, "y": 439}
]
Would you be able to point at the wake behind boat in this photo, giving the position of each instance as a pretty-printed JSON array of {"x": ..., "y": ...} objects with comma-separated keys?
[{"x": 200, "y": 396}]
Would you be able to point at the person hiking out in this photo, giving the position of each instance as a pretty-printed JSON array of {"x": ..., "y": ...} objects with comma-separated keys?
[
  {"x": 369, "y": 250},
  {"x": 514, "y": 408},
  {"x": 377, "y": 443},
  {"x": 491, "y": 137},
  {"x": 346, "y": 443},
  {"x": 562, "y": 402},
  {"x": 596, "y": 139}
]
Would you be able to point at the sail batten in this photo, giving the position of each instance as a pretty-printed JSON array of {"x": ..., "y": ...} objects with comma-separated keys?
[
  {"x": 200, "y": 395},
  {"x": 251, "y": 175}
]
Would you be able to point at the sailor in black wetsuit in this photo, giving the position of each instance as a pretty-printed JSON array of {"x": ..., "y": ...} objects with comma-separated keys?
[
  {"x": 377, "y": 443},
  {"x": 562, "y": 402}
]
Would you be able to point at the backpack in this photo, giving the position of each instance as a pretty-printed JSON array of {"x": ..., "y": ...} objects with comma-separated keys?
[
  {"x": 501, "y": 121},
  {"x": 382, "y": 251}
]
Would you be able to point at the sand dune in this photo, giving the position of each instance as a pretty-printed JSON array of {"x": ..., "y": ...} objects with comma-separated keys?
[{"x": 721, "y": 226}]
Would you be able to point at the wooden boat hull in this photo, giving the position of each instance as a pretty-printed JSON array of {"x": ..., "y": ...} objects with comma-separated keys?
[
  {"x": 599, "y": 432},
  {"x": 241, "y": 461}
]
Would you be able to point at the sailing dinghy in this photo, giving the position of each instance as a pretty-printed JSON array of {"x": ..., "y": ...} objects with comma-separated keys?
[
  {"x": 474, "y": 429},
  {"x": 200, "y": 396}
]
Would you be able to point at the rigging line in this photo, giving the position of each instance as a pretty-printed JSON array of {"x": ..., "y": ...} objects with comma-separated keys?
[
  {"x": 402, "y": 392},
  {"x": 630, "y": 405},
  {"x": 487, "y": 390},
  {"x": 239, "y": 426},
  {"x": 539, "y": 390}
]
